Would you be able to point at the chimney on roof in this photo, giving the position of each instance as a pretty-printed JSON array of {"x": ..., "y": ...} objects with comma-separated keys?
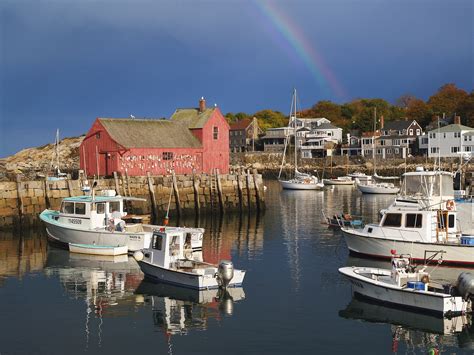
[
  {"x": 457, "y": 119},
  {"x": 381, "y": 122},
  {"x": 202, "y": 105}
]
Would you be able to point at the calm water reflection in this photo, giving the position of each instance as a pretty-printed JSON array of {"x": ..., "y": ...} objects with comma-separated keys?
[{"x": 293, "y": 299}]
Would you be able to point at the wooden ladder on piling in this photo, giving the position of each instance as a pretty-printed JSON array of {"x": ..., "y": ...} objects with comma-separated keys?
[{"x": 214, "y": 197}]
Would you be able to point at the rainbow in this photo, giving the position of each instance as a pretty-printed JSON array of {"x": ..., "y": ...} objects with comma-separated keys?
[{"x": 301, "y": 46}]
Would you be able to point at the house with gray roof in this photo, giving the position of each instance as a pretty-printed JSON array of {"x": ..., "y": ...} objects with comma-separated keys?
[{"x": 452, "y": 140}]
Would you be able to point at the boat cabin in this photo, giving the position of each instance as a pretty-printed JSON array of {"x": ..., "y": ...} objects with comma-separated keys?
[
  {"x": 92, "y": 212},
  {"x": 169, "y": 247}
]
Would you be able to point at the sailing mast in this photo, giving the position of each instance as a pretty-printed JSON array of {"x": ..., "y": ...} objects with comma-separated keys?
[
  {"x": 373, "y": 138},
  {"x": 294, "y": 129}
]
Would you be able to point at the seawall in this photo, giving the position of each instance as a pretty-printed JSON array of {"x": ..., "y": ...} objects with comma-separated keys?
[{"x": 21, "y": 202}]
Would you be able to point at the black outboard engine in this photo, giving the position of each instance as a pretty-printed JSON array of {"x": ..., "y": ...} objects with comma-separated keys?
[{"x": 465, "y": 285}]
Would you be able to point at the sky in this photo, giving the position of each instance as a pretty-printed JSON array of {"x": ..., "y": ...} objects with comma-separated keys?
[{"x": 64, "y": 63}]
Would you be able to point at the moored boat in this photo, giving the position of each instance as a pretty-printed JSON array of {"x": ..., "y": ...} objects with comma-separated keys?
[
  {"x": 422, "y": 221},
  {"x": 100, "y": 221},
  {"x": 165, "y": 260},
  {"x": 371, "y": 187},
  {"x": 407, "y": 287},
  {"x": 341, "y": 180}
]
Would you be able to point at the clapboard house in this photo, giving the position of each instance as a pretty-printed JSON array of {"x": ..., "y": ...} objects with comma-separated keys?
[{"x": 192, "y": 140}]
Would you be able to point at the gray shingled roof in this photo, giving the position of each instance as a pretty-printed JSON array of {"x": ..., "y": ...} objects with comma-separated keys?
[
  {"x": 191, "y": 117},
  {"x": 139, "y": 133},
  {"x": 452, "y": 128},
  {"x": 399, "y": 125},
  {"x": 326, "y": 126}
]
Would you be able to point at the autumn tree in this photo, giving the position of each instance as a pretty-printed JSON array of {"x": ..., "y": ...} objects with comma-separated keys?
[
  {"x": 270, "y": 119},
  {"x": 447, "y": 99},
  {"x": 404, "y": 101},
  {"x": 420, "y": 111},
  {"x": 466, "y": 110}
]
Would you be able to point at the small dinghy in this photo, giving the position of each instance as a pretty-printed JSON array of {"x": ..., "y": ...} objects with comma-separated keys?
[
  {"x": 407, "y": 287},
  {"x": 168, "y": 259},
  {"x": 98, "y": 249},
  {"x": 343, "y": 220}
]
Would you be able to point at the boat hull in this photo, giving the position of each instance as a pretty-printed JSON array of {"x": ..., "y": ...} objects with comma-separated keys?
[
  {"x": 338, "y": 182},
  {"x": 63, "y": 234},
  {"x": 424, "y": 301},
  {"x": 98, "y": 250},
  {"x": 368, "y": 189},
  {"x": 290, "y": 185},
  {"x": 381, "y": 248},
  {"x": 186, "y": 279}
]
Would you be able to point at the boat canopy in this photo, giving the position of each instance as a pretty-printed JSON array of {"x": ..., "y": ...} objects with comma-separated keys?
[
  {"x": 427, "y": 184},
  {"x": 101, "y": 199}
]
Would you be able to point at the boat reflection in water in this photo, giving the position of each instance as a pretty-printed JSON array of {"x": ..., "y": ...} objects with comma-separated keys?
[
  {"x": 414, "y": 330},
  {"x": 176, "y": 310}
]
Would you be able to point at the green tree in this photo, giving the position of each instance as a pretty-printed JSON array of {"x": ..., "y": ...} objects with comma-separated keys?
[
  {"x": 447, "y": 99},
  {"x": 270, "y": 119}
]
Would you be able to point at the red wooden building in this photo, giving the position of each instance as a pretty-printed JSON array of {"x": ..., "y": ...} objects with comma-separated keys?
[{"x": 194, "y": 139}]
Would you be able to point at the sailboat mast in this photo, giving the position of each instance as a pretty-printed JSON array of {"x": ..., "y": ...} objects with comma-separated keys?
[
  {"x": 373, "y": 137},
  {"x": 57, "y": 150},
  {"x": 294, "y": 130}
]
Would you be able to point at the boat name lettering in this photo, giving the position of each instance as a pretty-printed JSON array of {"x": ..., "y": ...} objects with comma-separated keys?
[
  {"x": 135, "y": 237},
  {"x": 74, "y": 221}
]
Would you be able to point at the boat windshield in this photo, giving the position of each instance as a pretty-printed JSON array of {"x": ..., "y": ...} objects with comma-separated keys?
[{"x": 427, "y": 185}]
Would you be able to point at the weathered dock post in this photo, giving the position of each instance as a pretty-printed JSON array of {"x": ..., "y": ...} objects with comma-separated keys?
[
  {"x": 257, "y": 192},
  {"x": 176, "y": 195},
  {"x": 46, "y": 193},
  {"x": 151, "y": 188},
  {"x": 219, "y": 192},
  {"x": 249, "y": 199},
  {"x": 117, "y": 190},
  {"x": 19, "y": 190},
  {"x": 239, "y": 189},
  {"x": 197, "y": 204},
  {"x": 70, "y": 189}
]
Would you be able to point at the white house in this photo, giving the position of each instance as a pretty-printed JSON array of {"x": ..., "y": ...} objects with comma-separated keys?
[{"x": 451, "y": 140}]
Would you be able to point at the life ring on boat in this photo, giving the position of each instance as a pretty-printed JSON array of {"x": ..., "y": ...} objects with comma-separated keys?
[
  {"x": 425, "y": 279},
  {"x": 450, "y": 205}
]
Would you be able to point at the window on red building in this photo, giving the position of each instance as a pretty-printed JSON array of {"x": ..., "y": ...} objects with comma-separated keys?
[
  {"x": 216, "y": 132},
  {"x": 167, "y": 155}
]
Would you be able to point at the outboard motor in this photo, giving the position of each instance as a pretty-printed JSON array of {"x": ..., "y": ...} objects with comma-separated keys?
[
  {"x": 225, "y": 273},
  {"x": 465, "y": 285}
]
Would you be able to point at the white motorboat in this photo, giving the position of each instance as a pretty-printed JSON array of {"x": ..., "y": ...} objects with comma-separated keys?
[
  {"x": 371, "y": 187},
  {"x": 422, "y": 221},
  {"x": 407, "y": 287},
  {"x": 360, "y": 176},
  {"x": 99, "y": 221},
  {"x": 167, "y": 260},
  {"x": 300, "y": 181},
  {"x": 341, "y": 180},
  {"x": 98, "y": 249}
]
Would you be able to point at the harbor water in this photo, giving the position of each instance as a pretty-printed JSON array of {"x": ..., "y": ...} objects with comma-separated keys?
[{"x": 293, "y": 300}]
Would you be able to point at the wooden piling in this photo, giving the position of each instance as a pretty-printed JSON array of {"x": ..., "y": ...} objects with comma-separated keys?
[
  {"x": 197, "y": 204},
  {"x": 117, "y": 190},
  {"x": 239, "y": 189},
  {"x": 248, "y": 189},
  {"x": 151, "y": 188},
  {"x": 19, "y": 189},
  {"x": 219, "y": 192},
  {"x": 46, "y": 193},
  {"x": 257, "y": 192},
  {"x": 70, "y": 188},
  {"x": 176, "y": 195}
]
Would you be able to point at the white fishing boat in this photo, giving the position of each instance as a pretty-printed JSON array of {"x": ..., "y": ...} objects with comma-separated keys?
[
  {"x": 361, "y": 176},
  {"x": 422, "y": 221},
  {"x": 99, "y": 221},
  {"x": 98, "y": 249},
  {"x": 341, "y": 180},
  {"x": 166, "y": 260},
  {"x": 299, "y": 181},
  {"x": 407, "y": 287},
  {"x": 372, "y": 187}
]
